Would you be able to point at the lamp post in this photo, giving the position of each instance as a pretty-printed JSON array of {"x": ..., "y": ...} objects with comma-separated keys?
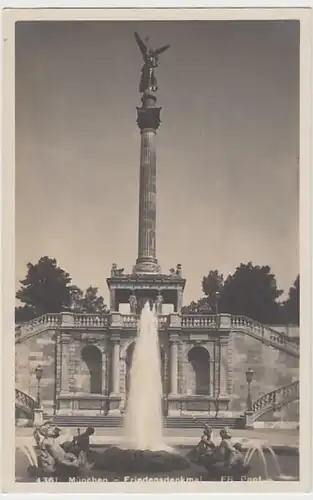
[
  {"x": 38, "y": 371},
  {"x": 249, "y": 377}
]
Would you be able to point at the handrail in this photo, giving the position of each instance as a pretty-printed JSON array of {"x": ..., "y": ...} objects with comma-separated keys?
[
  {"x": 25, "y": 400},
  {"x": 264, "y": 333},
  {"x": 226, "y": 322},
  {"x": 275, "y": 399}
]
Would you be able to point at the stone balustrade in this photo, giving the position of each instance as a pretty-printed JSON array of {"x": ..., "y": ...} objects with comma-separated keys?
[
  {"x": 275, "y": 399},
  {"x": 130, "y": 320},
  {"x": 199, "y": 321},
  {"x": 92, "y": 320},
  {"x": 46, "y": 322},
  {"x": 24, "y": 401},
  {"x": 173, "y": 321},
  {"x": 264, "y": 333}
]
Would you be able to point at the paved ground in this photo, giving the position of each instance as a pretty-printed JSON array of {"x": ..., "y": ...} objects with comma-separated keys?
[{"x": 275, "y": 437}]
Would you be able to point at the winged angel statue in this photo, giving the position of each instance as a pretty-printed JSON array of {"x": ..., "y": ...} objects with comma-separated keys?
[{"x": 150, "y": 56}]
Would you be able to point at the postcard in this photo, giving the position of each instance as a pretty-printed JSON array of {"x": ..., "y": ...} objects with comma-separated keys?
[{"x": 156, "y": 223}]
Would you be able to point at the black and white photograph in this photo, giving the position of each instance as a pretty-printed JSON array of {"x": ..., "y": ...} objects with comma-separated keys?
[{"x": 157, "y": 250}]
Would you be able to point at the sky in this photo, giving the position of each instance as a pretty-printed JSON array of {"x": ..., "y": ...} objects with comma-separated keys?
[{"x": 227, "y": 147}]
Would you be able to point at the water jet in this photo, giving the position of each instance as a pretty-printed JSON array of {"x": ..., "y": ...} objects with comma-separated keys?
[{"x": 144, "y": 448}]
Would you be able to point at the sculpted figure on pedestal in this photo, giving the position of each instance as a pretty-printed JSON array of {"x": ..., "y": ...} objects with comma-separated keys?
[
  {"x": 178, "y": 270},
  {"x": 158, "y": 303},
  {"x": 115, "y": 271},
  {"x": 151, "y": 61},
  {"x": 133, "y": 303}
]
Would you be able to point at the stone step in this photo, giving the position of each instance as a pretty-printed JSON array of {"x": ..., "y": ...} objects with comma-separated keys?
[{"x": 168, "y": 422}]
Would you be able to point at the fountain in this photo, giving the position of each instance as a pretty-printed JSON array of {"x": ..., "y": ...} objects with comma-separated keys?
[
  {"x": 260, "y": 449},
  {"x": 144, "y": 449},
  {"x": 143, "y": 420}
]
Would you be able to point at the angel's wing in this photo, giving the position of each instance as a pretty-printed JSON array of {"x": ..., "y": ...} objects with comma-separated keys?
[
  {"x": 161, "y": 49},
  {"x": 142, "y": 46}
]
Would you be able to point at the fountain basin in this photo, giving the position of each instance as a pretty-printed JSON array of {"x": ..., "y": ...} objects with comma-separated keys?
[
  {"x": 288, "y": 459},
  {"x": 116, "y": 459}
]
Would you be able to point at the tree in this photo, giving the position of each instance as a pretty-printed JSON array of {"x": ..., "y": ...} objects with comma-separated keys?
[
  {"x": 212, "y": 286},
  {"x": 46, "y": 288},
  {"x": 91, "y": 302},
  {"x": 24, "y": 313},
  {"x": 291, "y": 307},
  {"x": 252, "y": 291}
]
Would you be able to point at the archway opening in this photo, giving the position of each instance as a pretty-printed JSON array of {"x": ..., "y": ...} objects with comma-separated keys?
[
  {"x": 92, "y": 357},
  {"x": 199, "y": 360}
]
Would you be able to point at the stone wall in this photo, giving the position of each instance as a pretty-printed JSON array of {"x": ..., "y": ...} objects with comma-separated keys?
[
  {"x": 272, "y": 368},
  {"x": 36, "y": 350}
]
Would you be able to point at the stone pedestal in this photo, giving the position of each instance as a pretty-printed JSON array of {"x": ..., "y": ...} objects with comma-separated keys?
[
  {"x": 38, "y": 416},
  {"x": 249, "y": 419}
]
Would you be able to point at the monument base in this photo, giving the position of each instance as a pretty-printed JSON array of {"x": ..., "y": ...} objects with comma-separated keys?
[{"x": 146, "y": 268}]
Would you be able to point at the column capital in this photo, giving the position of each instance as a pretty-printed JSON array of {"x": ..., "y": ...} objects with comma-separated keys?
[
  {"x": 148, "y": 119},
  {"x": 174, "y": 338},
  {"x": 116, "y": 338},
  {"x": 65, "y": 338}
]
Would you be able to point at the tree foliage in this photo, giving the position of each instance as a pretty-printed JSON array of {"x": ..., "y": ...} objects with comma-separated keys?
[
  {"x": 47, "y": 288},
  {"x": 250, "y": 291},
  {"x": 88, "y": 302},
  {"x": 291, "y": 307},
  {"x": 212, "y": 286}
]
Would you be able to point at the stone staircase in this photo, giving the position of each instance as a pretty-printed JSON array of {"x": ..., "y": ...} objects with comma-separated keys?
[
  {"x": 179, "y": 422},
  {"x": 25, "y": 403},
  {"x": 275, "y": 400}
]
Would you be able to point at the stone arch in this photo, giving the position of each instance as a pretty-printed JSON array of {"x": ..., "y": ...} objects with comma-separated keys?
[
  {"x": 92, "y": 357},
  {"x": 199, "y": 360}
]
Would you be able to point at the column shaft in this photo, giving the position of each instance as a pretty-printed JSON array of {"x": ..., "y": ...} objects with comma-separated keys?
[
  {"x": 116, "y": 368},
  {"x": 65, "y": 381},
  {"x": 112, "y": 300},
  {"x": 147, "y": 198},
  {"x": 174, "y": 367},
  {"x": 104, "y": 372}
]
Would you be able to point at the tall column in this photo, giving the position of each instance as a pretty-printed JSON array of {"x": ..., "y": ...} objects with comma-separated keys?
[
  {"x": 174, "y": 367},
  {"x": 116, "y": 367},
  {"x": 148, "y": 120}
]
